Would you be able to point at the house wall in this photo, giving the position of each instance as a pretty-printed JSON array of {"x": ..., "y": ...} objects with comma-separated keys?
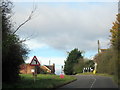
[{"x": 26, "y": 69}]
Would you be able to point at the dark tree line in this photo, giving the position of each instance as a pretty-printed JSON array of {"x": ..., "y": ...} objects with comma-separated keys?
[{"x": 13, "y": 50}]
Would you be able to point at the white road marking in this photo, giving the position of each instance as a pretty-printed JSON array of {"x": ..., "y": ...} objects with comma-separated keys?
[{"x": 93, "y": 83}]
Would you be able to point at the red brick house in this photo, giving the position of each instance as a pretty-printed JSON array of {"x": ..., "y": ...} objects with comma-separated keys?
[
  {"x": 49, "y": 68},
  {"x": 45, "y": 69}
]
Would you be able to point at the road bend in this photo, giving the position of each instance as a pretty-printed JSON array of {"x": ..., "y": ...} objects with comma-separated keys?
[{"x": 91, "y": 82}]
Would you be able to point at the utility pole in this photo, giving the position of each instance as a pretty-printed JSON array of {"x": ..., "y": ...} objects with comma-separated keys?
[
  {"x": 49, "y": 62},
  {"x": 98, "y": 47},
  {"x": 95, "y": 69},
  {"x": 119, "y": 7}
]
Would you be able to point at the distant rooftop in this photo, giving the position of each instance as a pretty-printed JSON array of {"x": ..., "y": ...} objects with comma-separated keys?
[{"x": 103, "y": 50}]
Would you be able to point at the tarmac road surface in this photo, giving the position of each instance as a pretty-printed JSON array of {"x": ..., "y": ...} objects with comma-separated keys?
[{"x": 91, "y": 81}]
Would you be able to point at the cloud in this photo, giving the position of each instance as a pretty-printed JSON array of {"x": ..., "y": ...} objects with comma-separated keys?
[
  {"x": 65, "y": 0},
  {"x": 33, "y": 44},
  {"x": 65, "y": 27}
]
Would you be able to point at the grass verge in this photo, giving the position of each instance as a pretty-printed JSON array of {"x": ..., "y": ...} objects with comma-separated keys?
[
  {"x": 99, "y": 74},
  {"x": 42, "y": 81}
]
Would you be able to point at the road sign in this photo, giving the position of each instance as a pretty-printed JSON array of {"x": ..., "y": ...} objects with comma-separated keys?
[{"x": 35, "y": 62}]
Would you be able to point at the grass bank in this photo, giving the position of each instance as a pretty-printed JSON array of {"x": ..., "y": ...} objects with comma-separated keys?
[{"x": 42, "y": 81}]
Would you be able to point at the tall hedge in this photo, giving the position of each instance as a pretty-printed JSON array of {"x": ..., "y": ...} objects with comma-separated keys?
[{"x": 13, "y": 51}]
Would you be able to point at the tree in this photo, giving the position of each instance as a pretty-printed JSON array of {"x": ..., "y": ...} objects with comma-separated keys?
[
  {"x": 109, "y": 61},
  {"x": 83, "y": 63},
  {"x": 106, "y": 62},
  {"x": 115, "y": 34},
  {"x": 115, "y": 44},
  {"x": 13, "y": 51},
  {"x": 78, "y": 67},
  {"x": 89, "y": 63},
  {"x": 72, "y": 58}
]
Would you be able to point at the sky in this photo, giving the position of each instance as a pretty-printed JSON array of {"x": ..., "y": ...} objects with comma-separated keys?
[{"x": 57, "y": 27}]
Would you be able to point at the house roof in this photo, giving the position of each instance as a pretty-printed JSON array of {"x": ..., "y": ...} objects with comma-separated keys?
[
  {"x": 103, "y": 50},
  {"x": 50, "y": 67},
  {"x": 46, "y": 68}
]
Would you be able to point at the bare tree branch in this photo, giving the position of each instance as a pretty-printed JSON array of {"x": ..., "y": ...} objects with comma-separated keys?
[
  {"x": 28, "y": 38},
  {"x": 28, "y": 19}
]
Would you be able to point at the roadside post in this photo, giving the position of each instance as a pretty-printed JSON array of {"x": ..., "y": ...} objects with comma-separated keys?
[
  {"x": 33, "y": 71},
  {"x": 83, "y": 70},
  {"x": 34, "y": 63},
  {"x": 94, "y": 72}
]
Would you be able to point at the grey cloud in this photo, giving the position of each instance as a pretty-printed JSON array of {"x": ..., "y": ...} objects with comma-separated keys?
[{"x": 64, "y": 28}]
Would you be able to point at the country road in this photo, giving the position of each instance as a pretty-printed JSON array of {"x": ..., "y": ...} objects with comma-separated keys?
[{"x": 91, "y": 82}]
